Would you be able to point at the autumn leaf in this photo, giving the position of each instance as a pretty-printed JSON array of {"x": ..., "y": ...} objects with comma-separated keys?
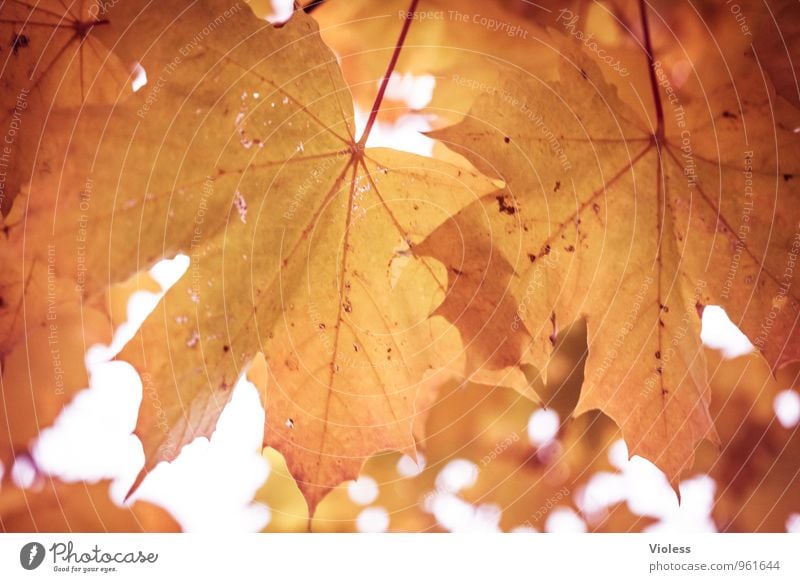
[
  {"x": 486, "y": 427},
  {"x": 610, "y": 169},
  {"x": 240, "y": 152},
  {"x": 42, "y": 375},
  {"x": 55, "y": 506},
  {"x": 445, "y": 36},
  {"x": 634, "y": 223},
  {"x": 53, "y": 62},
  {"x": 756, "y": 472}
]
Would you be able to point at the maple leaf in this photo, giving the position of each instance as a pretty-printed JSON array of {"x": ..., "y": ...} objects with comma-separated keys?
[
  {"x": 240, "y": 152},
  {"x": 633, "y": 224},
  {"x": 52, "y": 62}
]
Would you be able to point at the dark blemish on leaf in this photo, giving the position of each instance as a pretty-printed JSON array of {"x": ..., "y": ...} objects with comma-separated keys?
[
  {"x": 787, "y": 177},
  {"x": 596, "y": 208},
  {"x": 557, "y": 186},
  {"x": 659, "y": 371},
  {"x": 658, "y": 355},
  {"x": 570, "y": 248},
  {"x": 728, "y": 115},
  {"x": 348, "y": 307},
  {"x": 456, "y": 271},
  {"x": 507, "y": 139},
  {"x": 531, "y": 257},
  {"x": 553, "y": 335},
  {"x": 416, "y": 206},
  {"x": 355, "y": 347},
  {"x": 322, "y": 326},
  {"x": 289, "y": 423},
  {"x": 226, "y": 348},
  {"x": 2, "y": 303},
  {"x": 663, "y": 308},
  {"x": 583, "y": 74},
  {"x": 546, "y": 250},
  {"x": 19, "y": 41},
  {"x": 661, "y": 322},
  {"x": 504, "y": 206}
]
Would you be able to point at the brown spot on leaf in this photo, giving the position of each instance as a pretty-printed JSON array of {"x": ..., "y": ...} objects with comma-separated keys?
[
  {"x": 504, "y": 206},
  {"x": 19, "y": 41}
]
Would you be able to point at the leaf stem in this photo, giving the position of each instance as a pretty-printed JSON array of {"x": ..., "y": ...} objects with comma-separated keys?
[
  {"x": 648, "y": 49},
  {"x": 392, "y": 63}
]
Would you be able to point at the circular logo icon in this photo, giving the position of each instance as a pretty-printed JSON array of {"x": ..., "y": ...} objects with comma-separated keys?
[{"x": 31, "y": 555}]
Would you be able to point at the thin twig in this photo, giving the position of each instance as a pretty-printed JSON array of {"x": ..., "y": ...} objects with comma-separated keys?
[{"x": 392, "y": 63}]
